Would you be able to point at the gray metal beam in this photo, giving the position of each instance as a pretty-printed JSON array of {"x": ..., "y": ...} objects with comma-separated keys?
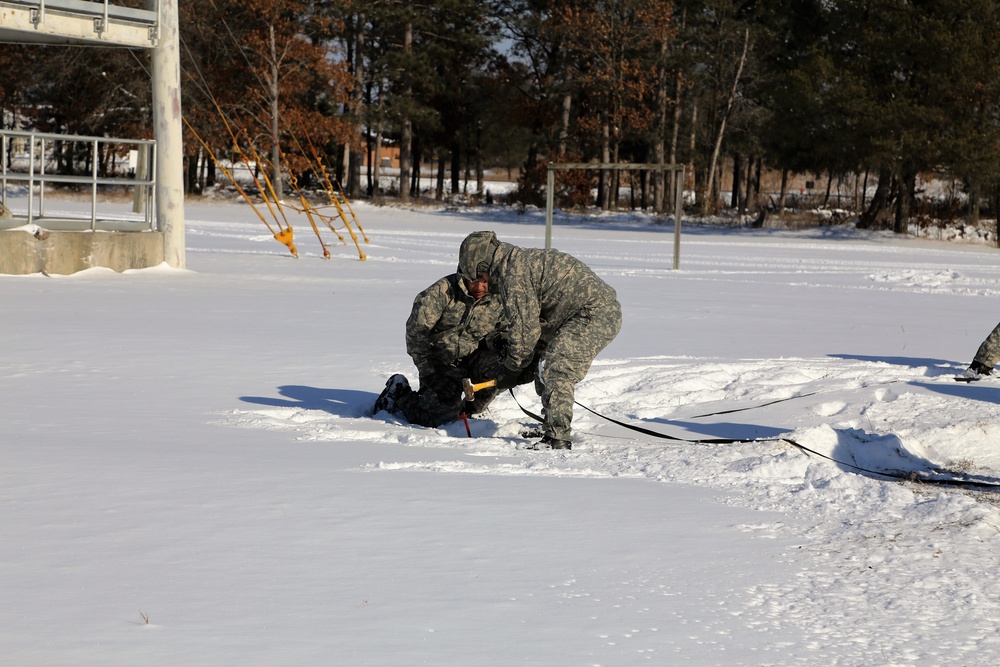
[{"x": 77, "y": 22}]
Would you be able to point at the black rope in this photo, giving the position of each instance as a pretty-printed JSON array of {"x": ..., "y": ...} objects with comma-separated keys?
[
  {"x": 633, "y": 427},
  {"x": 780, "y": 400},
  {"x": 954, "y": 479},
  {"x": 537, "y": 418},
  {"x": 753, "y": 407},
  {"x": 657, "y": 434}
]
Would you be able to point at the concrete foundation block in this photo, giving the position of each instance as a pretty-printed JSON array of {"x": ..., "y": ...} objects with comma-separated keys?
[{"x": 43, "y": 251}]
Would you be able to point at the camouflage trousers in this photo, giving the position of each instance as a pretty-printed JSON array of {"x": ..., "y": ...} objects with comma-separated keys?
[
  {"x": 440, "y": 398},
  {"x": 988, "y": 353},
  {"x": 566, "y": 360}
]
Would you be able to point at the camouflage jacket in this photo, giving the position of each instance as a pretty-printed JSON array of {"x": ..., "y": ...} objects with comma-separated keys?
[
  {"x": 447, "y": 324},
  {"x": 541, "y": 290}
]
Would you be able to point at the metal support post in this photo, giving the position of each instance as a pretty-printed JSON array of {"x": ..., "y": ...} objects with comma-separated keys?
[
  {"x": 678, "y": 214},
  {"x": 169, "y": 167}
]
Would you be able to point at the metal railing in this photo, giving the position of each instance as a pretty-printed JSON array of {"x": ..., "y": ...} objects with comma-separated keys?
[
  {"x": 134, "y": 23},
  {"x": 34, "y": 166},
  {"x": 102, "y": 9}
]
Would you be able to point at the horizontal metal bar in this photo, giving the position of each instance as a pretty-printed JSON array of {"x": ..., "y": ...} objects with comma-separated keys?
[
  {"x": 24, "y": 177},
  {"x": 90, "y": 9},
  {"x": 51, "y": 136}
]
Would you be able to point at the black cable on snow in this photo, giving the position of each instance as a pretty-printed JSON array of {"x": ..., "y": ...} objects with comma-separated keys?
[
  {"x": 953, "y": 479},
  {"x": 782, "y": 400},
  {"x": 633, "y": 427}
]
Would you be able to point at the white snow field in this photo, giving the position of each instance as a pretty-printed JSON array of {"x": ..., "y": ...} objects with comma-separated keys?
[{"x": 189, "y": 475}]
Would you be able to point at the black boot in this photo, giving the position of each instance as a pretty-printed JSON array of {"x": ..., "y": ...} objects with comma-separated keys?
[
  {"x": 554, "y": 443},
  {"x": 976, "y": 371},
  {"x": 395, "y": 387}
]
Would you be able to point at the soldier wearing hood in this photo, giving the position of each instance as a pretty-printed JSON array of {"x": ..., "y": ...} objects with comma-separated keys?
[
  {"x": 552, "y": 302},
  {"x": 451, "y": 334}
]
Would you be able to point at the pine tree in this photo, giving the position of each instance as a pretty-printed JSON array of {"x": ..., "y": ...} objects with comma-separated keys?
[{"x": 275, "y": 85}]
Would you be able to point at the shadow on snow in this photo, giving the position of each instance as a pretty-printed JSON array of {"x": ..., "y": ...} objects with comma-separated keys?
[
  {"x": 339, "y": 402},
  {"x": 936, "y": 367}
]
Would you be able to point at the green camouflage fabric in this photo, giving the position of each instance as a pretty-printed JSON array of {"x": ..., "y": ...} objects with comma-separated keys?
[
  {"x": 438, "y": 401},
  {"x": 553, "y": 302},
  {"x": 475, "y": 255},
  {"x": 988, "y": 353},
  {"x": 448, "y": 336},
  {"x": 447, "y": 324}
]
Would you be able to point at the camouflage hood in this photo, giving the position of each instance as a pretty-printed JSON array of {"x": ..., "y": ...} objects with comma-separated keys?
[{"x": 476, "y": 254}]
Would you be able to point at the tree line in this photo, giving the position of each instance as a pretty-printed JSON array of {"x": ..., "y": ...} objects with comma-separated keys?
[{"x": 874, "y": 91}]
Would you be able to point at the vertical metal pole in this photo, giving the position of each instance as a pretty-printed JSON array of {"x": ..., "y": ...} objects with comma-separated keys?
[
  {"x": 678, "y": 213},
  {"x": 31, "y": 177},
  {"x": 550, "y": 186},
  {"x": 41, "y": 180},
  {"x": 93, "y": 189},
  {"x": 169, "y": 166},
  {"x": 139, "y": 191},
  {"x": 3, "y": 167},
  {"x": 151, "y": 188}
]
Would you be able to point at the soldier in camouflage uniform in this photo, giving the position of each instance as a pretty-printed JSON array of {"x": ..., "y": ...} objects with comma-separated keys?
[
  {"x": 553, "y": 302},
  {"x": 986, "y": 357},
  {"x": 450, "y": 335}
]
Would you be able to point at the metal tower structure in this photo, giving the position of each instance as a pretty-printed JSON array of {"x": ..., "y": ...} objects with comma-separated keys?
[{"x": 153, "y": 27}]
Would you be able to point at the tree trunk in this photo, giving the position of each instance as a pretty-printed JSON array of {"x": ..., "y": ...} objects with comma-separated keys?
[
  {"x": 730, "y": 100},
  {"x": 480, "y": 174},
  {"x": 675, "y": 135},
  {"x": 276, "y": 181},
  {"x": 377, "y": 160},
  {"x": 418, "y": 158},
  {"x": 668, "y": 199},
  {"x": 210, "y": 173},
  {"x": 880, "y": 200},
  {"x": 456, "y": 167},
  {"x": 784, "y": 192},
  {"x": 202, "y": 169},
  {"x": 192, "y": 173},
  {"x": 603, "y": 182},
  {"x": 615, "y": 178},
  {"x": 749, "y": 201},
  {"x": 660, "y": 142},
  {"x": 904, "y": 202},
  {"x": 369, "y": 160},
  {"x": 567, "y": 107},
  {"x": 736, "y": 200},
  {"x": 354, "y": 171},
  {"x": 439, "y": 189},
  {"x": 406, "y": 136},
  {"x": 864, "y": 193}
]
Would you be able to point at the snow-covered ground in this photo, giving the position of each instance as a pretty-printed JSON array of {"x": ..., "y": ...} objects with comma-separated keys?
[{"x": 188, "y": 474}]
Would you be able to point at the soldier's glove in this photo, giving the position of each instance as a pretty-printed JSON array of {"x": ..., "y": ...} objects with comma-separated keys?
[
  {"x": 494, "y": 368},
  {"x": 496, "y": 342},
  {"x": 502, "y": 352}
]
